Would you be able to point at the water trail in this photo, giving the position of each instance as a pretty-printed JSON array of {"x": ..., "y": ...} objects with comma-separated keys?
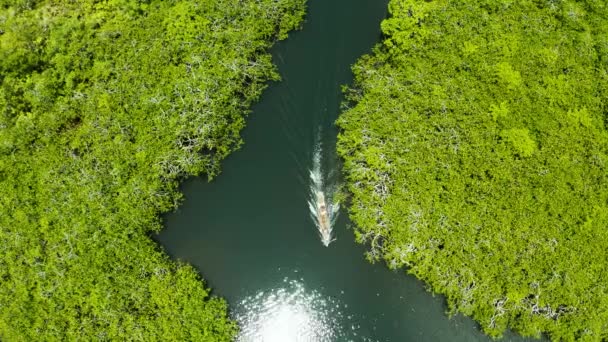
[{"x": 323, "y": 208}]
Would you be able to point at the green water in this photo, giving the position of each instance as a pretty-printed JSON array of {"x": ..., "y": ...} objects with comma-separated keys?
[{"x": 250, "y": 234}]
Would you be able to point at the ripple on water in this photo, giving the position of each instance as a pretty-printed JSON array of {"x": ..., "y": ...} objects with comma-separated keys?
[{"x": 290, "y": 313}]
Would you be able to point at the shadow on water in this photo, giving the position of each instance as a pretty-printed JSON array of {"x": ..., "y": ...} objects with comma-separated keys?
[{"x": 249, "y": 231}]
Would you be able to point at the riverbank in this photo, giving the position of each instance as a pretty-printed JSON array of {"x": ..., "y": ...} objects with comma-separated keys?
[
  {"x": 281, "y": 282},
  {"x": 105, "y": 107},
  {"x": 475, "y": 149}
]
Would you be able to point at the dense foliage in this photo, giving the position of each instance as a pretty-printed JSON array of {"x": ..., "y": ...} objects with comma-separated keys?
[
  {"x": 104, "y": 107},
  {"x": 476, "y": 149}
]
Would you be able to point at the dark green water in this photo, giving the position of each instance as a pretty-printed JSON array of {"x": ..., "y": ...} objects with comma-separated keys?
[{"x": 249, "y": 231}]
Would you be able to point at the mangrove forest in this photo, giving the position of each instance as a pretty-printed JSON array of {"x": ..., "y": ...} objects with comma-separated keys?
[
  {"x": 476, "y": 150},
  {"x": 104, "y": 107}
]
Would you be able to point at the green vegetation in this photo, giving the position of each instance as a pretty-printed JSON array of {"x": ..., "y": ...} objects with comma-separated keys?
[
  {"x": 104, "y": 107},
  {"x": 476, "y": 151}
]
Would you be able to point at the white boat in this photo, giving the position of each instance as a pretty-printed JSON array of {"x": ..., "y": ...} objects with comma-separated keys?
[
  {"x": 323, "y": 220},
  {"x": 322, "y": 212}
]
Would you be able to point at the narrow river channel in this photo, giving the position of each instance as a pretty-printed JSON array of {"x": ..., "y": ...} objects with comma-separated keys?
[{"x": 250, "y": 234}]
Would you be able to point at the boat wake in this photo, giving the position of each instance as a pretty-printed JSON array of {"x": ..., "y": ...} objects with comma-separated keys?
[{"x": 323, "y": 208}]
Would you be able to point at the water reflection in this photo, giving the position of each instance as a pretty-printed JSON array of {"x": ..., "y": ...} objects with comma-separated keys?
[{"x": 290, "y": 313}]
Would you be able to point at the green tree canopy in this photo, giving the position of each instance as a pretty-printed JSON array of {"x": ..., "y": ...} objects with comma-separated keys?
[
  {"x": 476, "y": 150},
  {"x": 104, "y": 107}
]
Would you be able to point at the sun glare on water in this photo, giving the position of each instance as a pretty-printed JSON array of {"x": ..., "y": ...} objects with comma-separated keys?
[{"x": 288, "y": 314}]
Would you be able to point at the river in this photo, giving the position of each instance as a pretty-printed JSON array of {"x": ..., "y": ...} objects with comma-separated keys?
[{"x": 249, "y": 231}]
